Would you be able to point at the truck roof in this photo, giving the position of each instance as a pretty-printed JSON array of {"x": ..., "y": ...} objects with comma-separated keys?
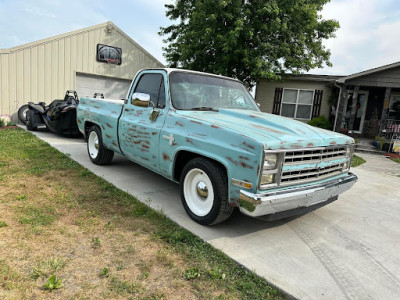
[{"x": 170, "y": 70}]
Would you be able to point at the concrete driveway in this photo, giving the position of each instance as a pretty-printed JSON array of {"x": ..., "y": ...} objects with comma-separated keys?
[{"x": 349, "y": 249}]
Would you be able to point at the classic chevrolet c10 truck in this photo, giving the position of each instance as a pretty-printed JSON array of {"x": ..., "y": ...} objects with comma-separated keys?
[{"x": 206, "y": 133}]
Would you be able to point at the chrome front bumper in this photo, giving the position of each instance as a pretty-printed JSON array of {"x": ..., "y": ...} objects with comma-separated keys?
[{"x": 256, "y": 205}]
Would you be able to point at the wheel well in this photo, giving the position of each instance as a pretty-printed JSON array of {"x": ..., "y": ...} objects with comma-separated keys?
[
  {"x": 88, "y": 125},
  {"x": 183, "y": 157}
]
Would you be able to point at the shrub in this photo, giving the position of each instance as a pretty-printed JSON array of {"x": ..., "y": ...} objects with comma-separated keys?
[
  {"x": 5, "y": 120},
  {"x": 380, "y": 141},
  {"x": 321, "y": 122}
]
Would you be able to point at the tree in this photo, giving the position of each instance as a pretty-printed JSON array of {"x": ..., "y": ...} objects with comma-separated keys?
[{"x": 247, "y": 39}]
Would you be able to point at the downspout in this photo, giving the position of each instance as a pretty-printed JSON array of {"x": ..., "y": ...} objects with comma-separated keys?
[{"x": 337, "y": 105}]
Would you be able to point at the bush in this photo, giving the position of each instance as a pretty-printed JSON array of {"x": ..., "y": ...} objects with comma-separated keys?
[
  {"x": 5, "y": 120},
  {"x": 321, "y": 122}
]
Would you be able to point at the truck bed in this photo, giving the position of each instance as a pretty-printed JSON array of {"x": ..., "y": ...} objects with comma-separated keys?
[{"x": 102, "y": 112}]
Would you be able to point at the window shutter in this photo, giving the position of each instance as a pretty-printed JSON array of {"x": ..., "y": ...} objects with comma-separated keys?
[
  {"x": 317, "y": 103},
  {"x": 277, "y": 101}
]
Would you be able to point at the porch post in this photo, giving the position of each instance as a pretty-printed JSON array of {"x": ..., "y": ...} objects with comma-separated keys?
[
  {"x": 385, "y": 108},
  {"x": 353, "y": 107},
  {"x": 340, "y": 108}
]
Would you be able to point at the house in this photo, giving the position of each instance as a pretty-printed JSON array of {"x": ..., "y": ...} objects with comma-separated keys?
[
  {"x": 364, "y": 104},
  {"x": 302, "y": 96},
  {"x": 101, "y": 59}
]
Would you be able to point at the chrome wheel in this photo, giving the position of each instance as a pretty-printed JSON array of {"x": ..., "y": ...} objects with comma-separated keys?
[
  {"x": 93, "y": 144},
  {"x": 198, "y": 192}
]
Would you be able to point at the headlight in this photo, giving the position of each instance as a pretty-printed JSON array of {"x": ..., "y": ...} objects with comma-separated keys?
[
  {"x": 267, "y": 179},
  {"x": 270, "y": 160},
  {"x": 271, "y": 169}
]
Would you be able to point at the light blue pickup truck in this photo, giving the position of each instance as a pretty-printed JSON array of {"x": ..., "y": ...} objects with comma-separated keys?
[{"x": 206, "y": 133}]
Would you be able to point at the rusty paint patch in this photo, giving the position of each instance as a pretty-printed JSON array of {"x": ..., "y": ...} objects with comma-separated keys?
[
  {"x": 189, "y": 140},
  {"x": 215, "y": 126},
  {"x": 296, "y": 145},
  {"x": 153, "y": 133},
  {"x": 108, "y": 125},
  {"x": 95, "y": 106},
  {"x": 301, "y": 131},
  {"x": 166, "y": 156},
  {"x": 310, "y": 145},
  {"x": 143, "y": 132},
  {"x": 258, "y": 170},
  {"x": 232, "y": 161},
  {"x": 145, "y": 146},
  {"x": 109, "y": 136},
  {"x": 332, "y": 143},
  {"x": 79, "y": 121},
  {"x": 114, "y": 112},
  {"x": 244, "y": 157},
  {"x": 244, "y": 165},
  {"x": 267, "y": 129},
  {"x": 196, "y": 122},
  {"x": 102, "y": 126},
  {"x": 248, "y": 145},
  {"x": 114, "y": 143},
  {"x": 178, "y": 124}
]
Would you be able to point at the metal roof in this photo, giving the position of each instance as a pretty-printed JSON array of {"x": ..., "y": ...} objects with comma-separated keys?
[
  {"x": 72, "y": 33},
  {"x": 368, "y": 72}
]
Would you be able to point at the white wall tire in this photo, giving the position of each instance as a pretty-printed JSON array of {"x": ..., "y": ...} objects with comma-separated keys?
[
  {"x": 204, "y": 191},
  {"x": 98, "y": 153},
  {"x": 93, "y": 144},
  {"x": 198, "y": 192}
]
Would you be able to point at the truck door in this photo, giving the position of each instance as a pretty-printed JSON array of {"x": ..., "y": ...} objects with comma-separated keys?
[{"x": 140, "y": 127}]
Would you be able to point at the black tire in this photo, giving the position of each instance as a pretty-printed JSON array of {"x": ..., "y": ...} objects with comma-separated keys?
[
  {"x": 217, "y": 208},
  {"x": 98, "y": 153},
  {"x": 22, "y": 114},
  {"x": 30, "y": 120}
]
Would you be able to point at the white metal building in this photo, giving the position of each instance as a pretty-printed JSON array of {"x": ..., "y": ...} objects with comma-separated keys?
[{"x": 45, "y": 69}]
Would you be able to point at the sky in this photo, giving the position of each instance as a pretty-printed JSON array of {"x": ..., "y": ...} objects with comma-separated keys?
[{"x": 369, "y": 34}]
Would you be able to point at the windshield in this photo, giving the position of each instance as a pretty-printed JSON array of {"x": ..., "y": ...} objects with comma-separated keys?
[{"x": 204, "y": 92}]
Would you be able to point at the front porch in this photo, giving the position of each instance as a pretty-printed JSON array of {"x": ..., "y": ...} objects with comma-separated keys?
[{"x": 369, "y": 104}]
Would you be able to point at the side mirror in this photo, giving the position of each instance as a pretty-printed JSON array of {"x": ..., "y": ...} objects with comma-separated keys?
[{"x": 141, "y": 99}]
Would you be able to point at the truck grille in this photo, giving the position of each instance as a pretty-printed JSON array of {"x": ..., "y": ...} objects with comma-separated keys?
[{"x": 302, "y": 166}]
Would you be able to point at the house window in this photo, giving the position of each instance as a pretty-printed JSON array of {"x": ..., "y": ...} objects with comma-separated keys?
[{"x": 297, "y": 103}]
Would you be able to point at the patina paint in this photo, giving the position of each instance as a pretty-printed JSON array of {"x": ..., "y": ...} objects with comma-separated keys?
[{"x": 235, "y": 138}]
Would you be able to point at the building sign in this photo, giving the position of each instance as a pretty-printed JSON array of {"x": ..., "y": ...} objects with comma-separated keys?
[{"x": 109, "y": 54}]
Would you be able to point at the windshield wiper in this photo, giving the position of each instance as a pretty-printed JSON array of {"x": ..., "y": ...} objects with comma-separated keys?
[{"x": 205, "y": 108}]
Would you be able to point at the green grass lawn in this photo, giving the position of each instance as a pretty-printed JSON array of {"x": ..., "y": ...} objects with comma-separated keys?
[
  {"x": 396, "y": 160},
  {"x": 67, "y": 234},
  {"x": 357, "y": 161}
]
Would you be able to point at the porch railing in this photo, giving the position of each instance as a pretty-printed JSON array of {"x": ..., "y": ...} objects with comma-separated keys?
[{"x": 390, "y": 128}]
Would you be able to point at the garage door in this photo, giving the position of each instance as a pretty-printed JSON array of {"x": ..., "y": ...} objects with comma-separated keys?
[{"x": 111, "y": 88}]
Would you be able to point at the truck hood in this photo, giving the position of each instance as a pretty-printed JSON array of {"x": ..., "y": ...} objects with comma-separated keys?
[{"x": 275, "y": 132}]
